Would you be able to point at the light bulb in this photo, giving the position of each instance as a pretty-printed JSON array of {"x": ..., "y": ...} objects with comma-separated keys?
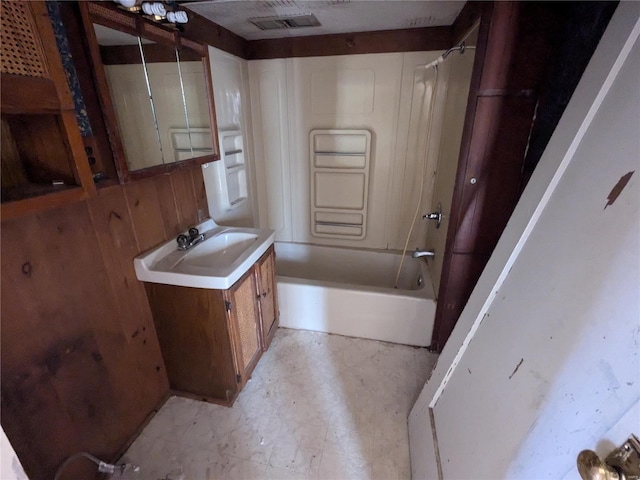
[
  {"x": 127, "y": 3},
  {"x": 155, "y": 8}
]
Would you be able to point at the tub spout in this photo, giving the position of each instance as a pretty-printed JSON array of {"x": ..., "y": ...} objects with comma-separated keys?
[{"x": 423, "y": 253}]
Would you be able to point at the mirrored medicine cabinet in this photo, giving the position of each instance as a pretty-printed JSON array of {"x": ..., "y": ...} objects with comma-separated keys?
[{"x": 155, "y": 93}]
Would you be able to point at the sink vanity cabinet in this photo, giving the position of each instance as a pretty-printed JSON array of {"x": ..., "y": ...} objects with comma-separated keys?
[{"x": 212, "y": 339}]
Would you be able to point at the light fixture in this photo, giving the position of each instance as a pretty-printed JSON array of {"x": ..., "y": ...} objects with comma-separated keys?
[
  {"x": 127, "y": 3},
  {"x": 163, "y": 12}
]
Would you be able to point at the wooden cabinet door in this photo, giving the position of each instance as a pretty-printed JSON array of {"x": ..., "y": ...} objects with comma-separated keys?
[
  {"x": 194, "y": 336},
  {"x": 267, "y": 295},
  {"x": 242, "y": 309}
]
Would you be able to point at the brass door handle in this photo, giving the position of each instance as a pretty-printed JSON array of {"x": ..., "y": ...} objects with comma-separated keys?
[
  {"x": 590, "y": 467},
  {"x": 623, "y": 463}
]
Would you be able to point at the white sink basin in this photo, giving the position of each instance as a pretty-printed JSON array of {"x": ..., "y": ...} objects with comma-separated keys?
[
  {"x": 220, "y": 250},
  {"x": 218, "y": 262}
]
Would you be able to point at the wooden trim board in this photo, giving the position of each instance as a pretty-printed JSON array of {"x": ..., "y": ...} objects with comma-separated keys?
[{"x": 384, "y": 41}]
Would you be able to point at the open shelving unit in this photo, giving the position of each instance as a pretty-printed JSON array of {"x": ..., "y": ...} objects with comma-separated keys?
[
  {"x": 339, "y": 163},
  {"x": 235, "y": 171},
  {"x": 43, "y": 157}
]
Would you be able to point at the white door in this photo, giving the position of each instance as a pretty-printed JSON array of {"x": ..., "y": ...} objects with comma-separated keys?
[{"x": 544, "y": 359}]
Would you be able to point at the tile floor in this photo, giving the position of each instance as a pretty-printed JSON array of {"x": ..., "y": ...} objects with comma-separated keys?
[{"x": 318, "y": 406}]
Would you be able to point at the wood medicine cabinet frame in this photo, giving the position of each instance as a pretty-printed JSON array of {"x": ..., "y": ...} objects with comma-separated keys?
[{"x": 113, "y": 17}]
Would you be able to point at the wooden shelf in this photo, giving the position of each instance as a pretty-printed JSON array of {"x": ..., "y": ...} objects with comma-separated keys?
[
  {"x": 41, "y": 141},
  {"x": 34, "y": 95},
  {"x": 26, "y": 206},
  {"x": 30, "y": 190}
]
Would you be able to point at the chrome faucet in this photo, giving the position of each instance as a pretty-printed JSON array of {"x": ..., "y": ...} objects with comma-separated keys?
[
  {"x": 185, "y": 242},
  {"x": 423, "y": 253}
]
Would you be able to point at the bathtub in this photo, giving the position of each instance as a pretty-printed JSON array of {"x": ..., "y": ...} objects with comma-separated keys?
[{"x": 350, "y": 292}]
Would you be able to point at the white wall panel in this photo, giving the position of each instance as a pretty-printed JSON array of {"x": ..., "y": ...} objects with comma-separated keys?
[
  {"x": 230, "y": 87},
  {"x": 346, "y": 92},
  {"x": 381, "y": 93},
  {"x": 342, "y": 91},
  {"x": 416, "y": 153},
  {"x": 271, "y": 144}
]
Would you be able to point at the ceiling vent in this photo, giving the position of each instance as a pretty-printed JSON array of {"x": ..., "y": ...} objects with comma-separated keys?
[{"x": 279, "y": 23}]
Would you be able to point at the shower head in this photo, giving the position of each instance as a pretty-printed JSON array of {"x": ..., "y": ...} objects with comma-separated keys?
[{"x": 434, "y": 64}]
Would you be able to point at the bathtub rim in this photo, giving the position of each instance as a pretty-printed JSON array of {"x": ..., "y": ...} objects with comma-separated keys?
[
  {"x": 425, "y": 291},
  {"x": 422, "y": 293}
]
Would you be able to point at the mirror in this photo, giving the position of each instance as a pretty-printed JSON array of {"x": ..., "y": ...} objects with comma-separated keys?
[
  {"x": 198, "y": 115},
  {"x": 165, "y": 83},
  {"x": 158, "y": 100},
  {"x": 120, "y": 54}
]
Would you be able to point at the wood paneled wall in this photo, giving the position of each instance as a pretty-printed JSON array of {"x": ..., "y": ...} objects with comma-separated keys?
[{"x": 81, "y": 363}]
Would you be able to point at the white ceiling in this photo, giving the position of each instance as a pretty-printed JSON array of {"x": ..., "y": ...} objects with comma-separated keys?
[{"x": 335, "y": 16}]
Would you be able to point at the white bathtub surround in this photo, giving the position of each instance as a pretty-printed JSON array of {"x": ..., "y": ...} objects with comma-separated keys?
[
  {"x": 318, "y": 407},
  {"x": 379, "y": 93},
  {"x": 230, "y": 183},
  {"x": 350, "y": 292}
]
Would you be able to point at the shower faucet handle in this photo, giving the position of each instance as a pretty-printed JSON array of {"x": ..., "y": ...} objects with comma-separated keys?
[{"x": 437, "y": 215}]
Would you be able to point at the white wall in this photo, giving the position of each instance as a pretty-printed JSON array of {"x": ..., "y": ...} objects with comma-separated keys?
[
  {"x": 269, "y": 114},
  {"x": 417, "y": 140},
  {"x": 543, "y": 361},
  {"x": 291, "y": 97},
  {"x": 230, "y": 76}
]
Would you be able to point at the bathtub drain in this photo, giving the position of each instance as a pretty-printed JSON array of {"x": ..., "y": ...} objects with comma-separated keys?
[{"x": 420, "y": 280}]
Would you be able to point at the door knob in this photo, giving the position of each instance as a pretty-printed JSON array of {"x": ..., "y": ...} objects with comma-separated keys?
[
  {"x": 590, "y": 467},
  {"x": 623, "y": 463},
  {"x": 437, "y": 215}
]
